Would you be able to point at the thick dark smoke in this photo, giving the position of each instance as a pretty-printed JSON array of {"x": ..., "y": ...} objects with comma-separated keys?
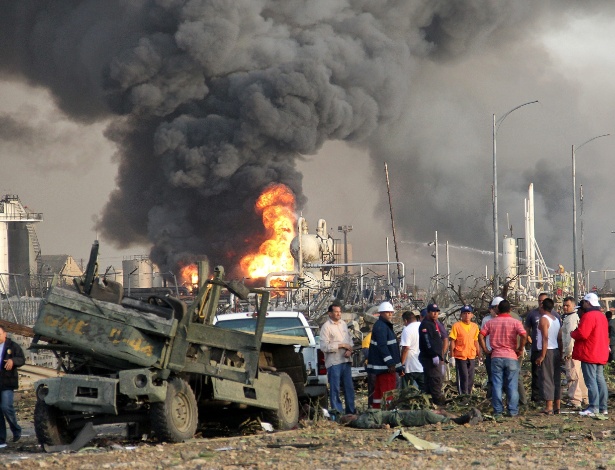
[{"x": 213, "y": 100}]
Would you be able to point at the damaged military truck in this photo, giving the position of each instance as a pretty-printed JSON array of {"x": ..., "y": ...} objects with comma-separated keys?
[{"x": 159, "y": 366}]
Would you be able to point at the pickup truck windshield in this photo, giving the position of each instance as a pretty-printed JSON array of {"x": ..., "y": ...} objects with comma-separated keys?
[{"x": 280, "y": 326}]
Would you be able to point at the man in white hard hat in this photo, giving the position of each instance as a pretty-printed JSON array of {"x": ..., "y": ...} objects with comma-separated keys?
[{"x": 383, "y": 358}]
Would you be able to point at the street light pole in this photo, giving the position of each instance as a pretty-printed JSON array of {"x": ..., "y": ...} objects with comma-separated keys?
[
  {"x": 574, "y": 214},
  {"x": 496, "y": 236}
]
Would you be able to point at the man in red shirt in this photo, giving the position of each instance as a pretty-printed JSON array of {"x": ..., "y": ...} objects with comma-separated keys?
[
  {"x": 507, "y": 337},
  {"x": 591, "y": 347}
]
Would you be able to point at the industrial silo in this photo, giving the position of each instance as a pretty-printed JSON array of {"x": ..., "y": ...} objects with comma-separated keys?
[
  {"x": 509, "y": 260},
  {"x": 140, "y": 273}
]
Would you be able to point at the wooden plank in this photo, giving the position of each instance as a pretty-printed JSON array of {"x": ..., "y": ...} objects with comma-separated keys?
[{"x": 17, "y": 329}]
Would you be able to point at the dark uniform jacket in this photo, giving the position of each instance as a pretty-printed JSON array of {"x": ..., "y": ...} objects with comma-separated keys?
[
  {"x": 9, "y": 379},
  {"x": 430, "y": 340},
  {"x": 383, "y": 349}
]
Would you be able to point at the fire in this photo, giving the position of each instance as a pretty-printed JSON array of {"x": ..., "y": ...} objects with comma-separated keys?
[
  {"x": 277, "y": 206},
  {"x": 189, "y": 274}
]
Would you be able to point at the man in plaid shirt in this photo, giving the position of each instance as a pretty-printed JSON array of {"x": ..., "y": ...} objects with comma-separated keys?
[{"x": 507, "y": 337}]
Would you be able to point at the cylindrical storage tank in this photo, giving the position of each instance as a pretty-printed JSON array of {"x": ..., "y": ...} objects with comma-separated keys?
[
  {"x": 158, "y": 279},
  {"x": 509, "y": 260},
  {"x": 138, "y": 273},
  {"x": 310, "y": 248}
]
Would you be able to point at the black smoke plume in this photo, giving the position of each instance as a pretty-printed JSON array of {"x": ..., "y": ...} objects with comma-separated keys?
[{"x": 213, "y": 100}]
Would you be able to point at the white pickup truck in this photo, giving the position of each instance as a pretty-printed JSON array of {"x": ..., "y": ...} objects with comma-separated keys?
[{"x": 282, "y": 325}]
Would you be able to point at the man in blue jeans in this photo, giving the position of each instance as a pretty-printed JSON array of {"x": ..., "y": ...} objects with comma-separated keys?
[
  {"x": 591, "y": 347},
  {"x": 507, "y": 337},
  {"x": 11, "y": 357},
  {"x": 336, "y": 344}
]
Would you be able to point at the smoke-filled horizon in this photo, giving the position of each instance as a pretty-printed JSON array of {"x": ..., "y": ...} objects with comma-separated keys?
[{"x": 208, "y": 102}]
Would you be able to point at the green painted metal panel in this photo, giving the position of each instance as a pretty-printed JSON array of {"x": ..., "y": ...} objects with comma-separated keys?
[{"x": 104, "y": 329}]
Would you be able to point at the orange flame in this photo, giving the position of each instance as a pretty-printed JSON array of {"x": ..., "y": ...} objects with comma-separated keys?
[
  {"x": 277, "y": 206},
  {"x": 189, "y": 274}
]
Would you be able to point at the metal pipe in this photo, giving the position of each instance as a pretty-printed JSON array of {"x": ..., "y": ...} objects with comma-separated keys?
[
  {"x": 574, "y": 227},
  {"x": 369, "y": 263},
  {"x": 448, "y": 266},
  {"x": 345, "y": 229},
  {"x": 280, "y": 274},
  {"x": 388, "y": 261},
  {"x": 582, "y": 240},
  {"x": 437, "y": 261},
  {"x": 129, "y": 275}
]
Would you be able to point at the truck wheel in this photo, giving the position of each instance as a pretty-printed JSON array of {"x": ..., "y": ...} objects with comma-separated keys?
[
  {"x": 287, "y": 415},
  {"x": 49, "y": 426},
  {"x": 175, "y": 419}
]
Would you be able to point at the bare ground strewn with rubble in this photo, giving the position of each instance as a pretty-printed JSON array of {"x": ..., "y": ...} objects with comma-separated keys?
[{"x": 531, "y": 440}]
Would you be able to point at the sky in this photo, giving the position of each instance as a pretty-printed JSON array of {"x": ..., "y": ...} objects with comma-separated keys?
[{"x": 80, "y": 122}]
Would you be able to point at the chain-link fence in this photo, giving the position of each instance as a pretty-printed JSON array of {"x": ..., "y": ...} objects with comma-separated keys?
[{"x": 21, "y": 310}]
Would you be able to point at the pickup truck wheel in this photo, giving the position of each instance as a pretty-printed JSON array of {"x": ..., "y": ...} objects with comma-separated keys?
[
  {"x": 287, "y": 415},
  {"x": 49, "y": 426},
  {"x": 176, "y": 418}
]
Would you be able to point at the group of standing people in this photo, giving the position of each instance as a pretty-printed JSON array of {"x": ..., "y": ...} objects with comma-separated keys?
[{"x": 578, "y": 340}]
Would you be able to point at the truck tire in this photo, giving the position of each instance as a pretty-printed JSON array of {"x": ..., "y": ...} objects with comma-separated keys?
[
  {"x": 176, "y": 418},
  {"x": 287, "y": 414},
  {"x": 49, "y": 426}
]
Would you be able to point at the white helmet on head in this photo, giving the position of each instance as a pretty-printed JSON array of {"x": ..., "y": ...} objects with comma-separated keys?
[{"x": 385, "y": 307}]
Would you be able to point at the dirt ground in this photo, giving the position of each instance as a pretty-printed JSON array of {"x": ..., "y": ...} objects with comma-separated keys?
[{"x": 530, "y": 440}]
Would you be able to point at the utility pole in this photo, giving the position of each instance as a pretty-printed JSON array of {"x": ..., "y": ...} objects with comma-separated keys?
[{"x": 399, "y": 276}]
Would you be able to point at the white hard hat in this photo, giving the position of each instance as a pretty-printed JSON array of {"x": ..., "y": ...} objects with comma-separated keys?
[{"x": 385, "y": 307}]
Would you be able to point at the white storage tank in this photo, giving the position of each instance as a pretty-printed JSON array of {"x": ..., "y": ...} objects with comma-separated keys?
[
  {"x": 509, "y": 260},
  {"x": 315, "y": 248},
  {"x": 140, "y": 273}
]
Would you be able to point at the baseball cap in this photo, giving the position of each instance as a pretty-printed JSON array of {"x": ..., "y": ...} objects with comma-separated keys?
[
  {"x": 592, "y": 299},
  {"x": 467, "y": 308},
  {"x": 385, "y": 307},
  {"x": 423, "y": 312},
  {"x": 433, "y": 308},
  {"x": 496, "y": 301}
]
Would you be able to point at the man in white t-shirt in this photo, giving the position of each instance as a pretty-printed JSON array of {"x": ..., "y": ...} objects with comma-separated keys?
[{"x": 413, "y": 370}]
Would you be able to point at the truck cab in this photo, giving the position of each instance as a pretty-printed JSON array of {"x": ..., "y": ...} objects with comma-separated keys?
[{"x": 285, "y": 326}]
